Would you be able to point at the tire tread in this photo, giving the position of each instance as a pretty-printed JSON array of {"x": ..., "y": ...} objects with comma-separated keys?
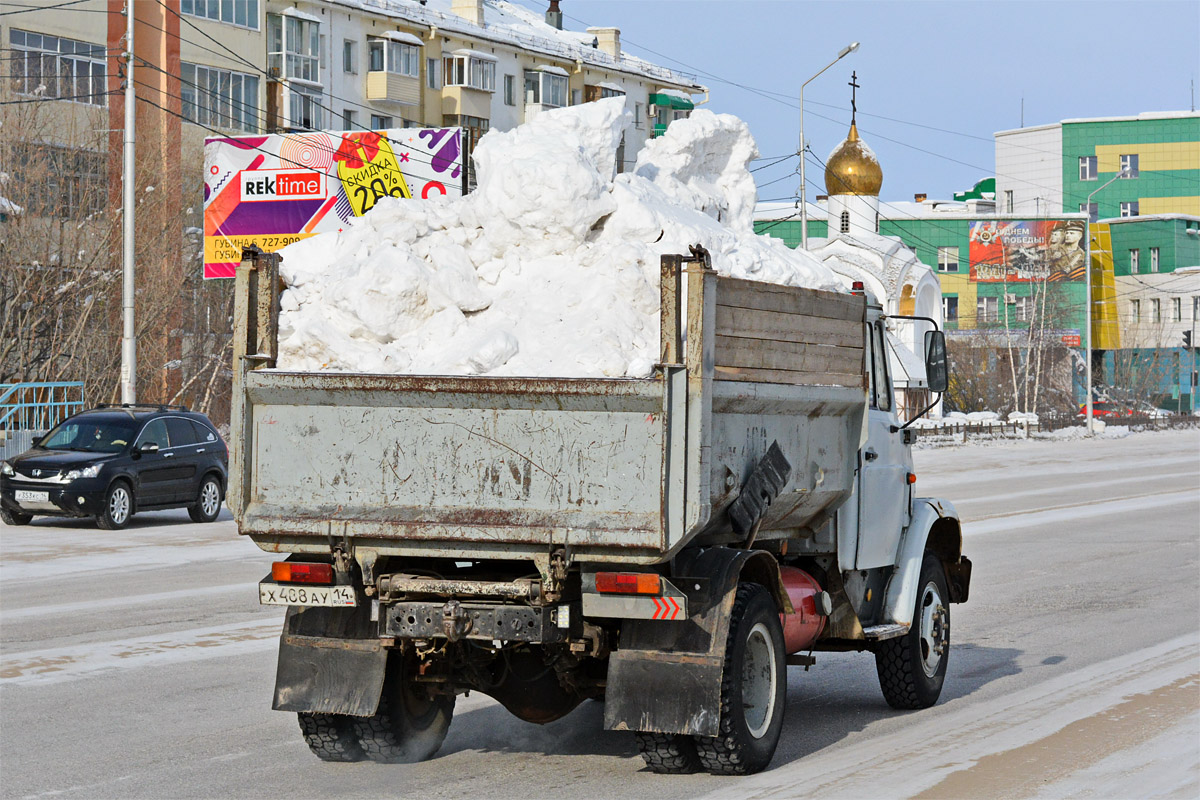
[
  {"x": 668, "y": 753},
  {"x": 330, "y": 736}
]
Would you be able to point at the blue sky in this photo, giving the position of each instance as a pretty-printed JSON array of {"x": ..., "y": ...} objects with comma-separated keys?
[{"x": 959, "y": 68}]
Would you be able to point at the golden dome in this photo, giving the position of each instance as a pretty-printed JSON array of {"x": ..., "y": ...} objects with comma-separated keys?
[{"x": 852, "y": 168}]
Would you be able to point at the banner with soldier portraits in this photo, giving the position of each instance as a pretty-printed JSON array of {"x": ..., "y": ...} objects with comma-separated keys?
[{"x": 1015, "y": 251}]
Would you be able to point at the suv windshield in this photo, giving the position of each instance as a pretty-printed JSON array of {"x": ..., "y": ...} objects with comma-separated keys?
[{"x": 107, "y": 436}]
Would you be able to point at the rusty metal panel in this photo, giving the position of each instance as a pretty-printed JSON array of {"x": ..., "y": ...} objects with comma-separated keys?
[
  {"x": 816, "y": 428},
  {"x": 482, "y": 460}
]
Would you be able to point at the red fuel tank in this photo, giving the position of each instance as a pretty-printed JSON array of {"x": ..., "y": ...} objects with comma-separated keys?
[{"x": 802, "y": 628}]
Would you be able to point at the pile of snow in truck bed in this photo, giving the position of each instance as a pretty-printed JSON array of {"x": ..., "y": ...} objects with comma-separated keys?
[{"x": 550, "y": 268}]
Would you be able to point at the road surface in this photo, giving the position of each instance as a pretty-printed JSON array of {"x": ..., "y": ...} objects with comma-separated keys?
[{"x": 138, "y": 664}]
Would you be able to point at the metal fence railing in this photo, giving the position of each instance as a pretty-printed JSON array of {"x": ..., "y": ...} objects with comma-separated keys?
[
  {"x": 27, "y": 410},
  {"x": 1020, "y": 429}
]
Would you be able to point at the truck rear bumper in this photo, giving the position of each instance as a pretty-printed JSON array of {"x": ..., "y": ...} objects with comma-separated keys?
[{"x": 479, "y": 621}]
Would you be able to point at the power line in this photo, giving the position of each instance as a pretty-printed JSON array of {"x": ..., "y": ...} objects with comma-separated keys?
[{"x": 24, "y": 9}]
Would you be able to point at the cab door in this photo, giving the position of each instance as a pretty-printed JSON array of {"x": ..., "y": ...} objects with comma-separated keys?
[{"x": 883, "y": 466}]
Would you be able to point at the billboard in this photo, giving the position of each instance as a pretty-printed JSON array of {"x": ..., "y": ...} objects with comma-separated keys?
[
  {"x": 1015, "y": 251},
  {"x": 276, "y": 189}
]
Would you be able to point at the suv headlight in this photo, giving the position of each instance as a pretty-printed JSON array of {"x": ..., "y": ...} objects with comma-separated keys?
[
  {"x": 6, "y": 469},
  {"x": 86, "y": 472}
]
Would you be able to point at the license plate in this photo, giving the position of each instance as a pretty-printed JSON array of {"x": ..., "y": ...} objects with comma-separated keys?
[
  {"x": 23, "y": 496},
  {"x": 278, "y": 594}
]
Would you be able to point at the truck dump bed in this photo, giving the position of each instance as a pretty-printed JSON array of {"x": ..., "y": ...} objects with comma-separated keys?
[{"x": 611, "y": 470}]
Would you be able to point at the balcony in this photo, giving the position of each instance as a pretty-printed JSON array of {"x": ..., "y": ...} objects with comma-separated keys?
[{"x": 392, "y": 87}]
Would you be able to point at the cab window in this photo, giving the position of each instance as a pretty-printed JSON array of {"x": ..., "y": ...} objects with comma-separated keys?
[{"x": 881, "y": 397}]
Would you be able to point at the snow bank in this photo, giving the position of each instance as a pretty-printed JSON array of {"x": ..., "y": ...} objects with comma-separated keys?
[{"x": 550, "y": 268}]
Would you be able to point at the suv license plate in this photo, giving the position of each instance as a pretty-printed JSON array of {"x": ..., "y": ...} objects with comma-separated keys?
[
  {"x": 23, "y": 496},
  {"x": 276, "y": 594}
]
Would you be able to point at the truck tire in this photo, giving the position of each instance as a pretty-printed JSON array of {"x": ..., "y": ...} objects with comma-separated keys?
[
  {"x": 410, "y": 723},
  {"x": 912, "y": 667},
  {"x": 753, "y": 688},
  {"x": 668, "y": 753},
  {"x": 331, "y": 737}
]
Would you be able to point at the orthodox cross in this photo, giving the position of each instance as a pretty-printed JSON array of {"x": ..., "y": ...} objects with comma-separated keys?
[{"x": 854, "y": 87}]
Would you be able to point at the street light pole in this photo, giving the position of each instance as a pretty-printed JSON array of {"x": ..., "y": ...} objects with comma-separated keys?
[
  {"x": 845, "y": 51},
  {"x": 1087, "y": 303},
  {"x": 128, "y": 341}
]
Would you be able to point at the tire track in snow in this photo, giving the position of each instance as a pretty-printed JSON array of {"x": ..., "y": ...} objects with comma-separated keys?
[
  {"x": 55, "y": 665},
  {"x": 1076, "y": 511},
  {"x": 949, "y": 739}
]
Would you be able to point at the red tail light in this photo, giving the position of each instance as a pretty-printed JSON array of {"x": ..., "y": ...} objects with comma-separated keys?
[
  {"x": 628, "y": 583},
  {"x": 299, "y": 572}
]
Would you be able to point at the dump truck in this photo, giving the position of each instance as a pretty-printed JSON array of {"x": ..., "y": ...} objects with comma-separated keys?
[{"x": 666, "y": 545}]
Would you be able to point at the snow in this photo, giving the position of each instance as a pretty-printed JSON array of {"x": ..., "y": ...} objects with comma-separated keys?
[
  {"x": 550, "y": 268},
  {"x": 404, "y": 38}
]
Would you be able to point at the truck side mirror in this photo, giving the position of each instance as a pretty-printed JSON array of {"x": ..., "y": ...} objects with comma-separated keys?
[{"x": 936, "y": 372}]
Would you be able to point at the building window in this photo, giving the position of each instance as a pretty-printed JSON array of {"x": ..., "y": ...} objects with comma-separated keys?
[
  {"x": 304, "y": 107},
  {"x": 545, "y": 88},
  {"x": 1154, "y": 259},
  {"x": 470, "y": 71},
  {"x": 294, "y": 48},
  {"x": 987, "y": 309},
  {"x": 64, "y": 182},
  {"x": 1129, "y": 209},
  {"x": 54, "y": 67},
  {"x": 1024, "y": 308},
  {"x": 1176, "y": 309},
  {"x": 1196, "y": 309},
  {"x": 845, "y": 223},
  {"x": 1135, "y": 260},
  {"x": 396, "y": 57},
  {"x": 1008, "y": 200},
  {"x": 473, "y": 127},
  {"x": 348, "y": 119},
  {"x": 380, "y": 122},
  {"x": 1129, "y": 166},
  {"x": 947, "y": 259},
  {"x": 431, "y": 73},
  {"x": 1135, "y": 311},
  {"x": 350, "y": 56},
  {"x": 510, "y": 90},
  {"x": 1091, "y": 209},
  {"x": 950, "y": 308},
  {"x": 1155, "y": 311},
  {"x": 235, "y": 12},
  {"x": 637, "y": 115},
  {"x": 218, "y": 98},
  {"x": 576, "y": 97},
  {"x": 1087, "y": 168}
]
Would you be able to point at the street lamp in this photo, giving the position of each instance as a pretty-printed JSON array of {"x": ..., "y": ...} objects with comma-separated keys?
[
  {"x": 845, "y": 51},
  {"x": 1087, "y": 303}
]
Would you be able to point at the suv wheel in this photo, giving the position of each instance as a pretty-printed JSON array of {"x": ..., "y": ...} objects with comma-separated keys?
[
  {"x": 208, "y": 503},
  {"x": 14, "y": 517},
  {"x": 118, "y": 507}
]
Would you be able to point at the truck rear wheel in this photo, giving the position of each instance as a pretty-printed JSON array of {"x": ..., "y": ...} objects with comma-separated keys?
[
  {"x": 410, "y": 723},
  {"x": 668, "y": 753},
  {"x": 331, "y": 737},
  {"x": 912, "y": 667},
  {"x": 753, "y": 688}
]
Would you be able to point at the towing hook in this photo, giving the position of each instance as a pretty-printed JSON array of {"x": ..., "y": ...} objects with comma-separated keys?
[{"x": 456, "y": 623}]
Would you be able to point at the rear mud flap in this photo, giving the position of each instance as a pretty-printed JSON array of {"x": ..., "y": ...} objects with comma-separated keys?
[
  {"x": 664, "y": 693},
  {"x": 330, "y": 662},
  {"x": 330, "y": 676}
]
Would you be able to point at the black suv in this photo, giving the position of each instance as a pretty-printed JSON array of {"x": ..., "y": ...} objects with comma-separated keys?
[{"x": 113, "y": 461}]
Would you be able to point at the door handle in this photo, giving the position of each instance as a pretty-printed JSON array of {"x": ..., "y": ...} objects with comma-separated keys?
[
  {"x": 167, "y": 455},
  {"x": 200, "y": 450},
  {"x": 870, "y": 455}
]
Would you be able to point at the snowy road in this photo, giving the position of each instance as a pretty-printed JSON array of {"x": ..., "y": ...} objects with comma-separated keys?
[{"x": 139, "y": 664}]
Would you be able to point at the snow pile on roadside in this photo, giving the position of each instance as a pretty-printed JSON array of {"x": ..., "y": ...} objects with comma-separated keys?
[{"x": 550, "y": 268}]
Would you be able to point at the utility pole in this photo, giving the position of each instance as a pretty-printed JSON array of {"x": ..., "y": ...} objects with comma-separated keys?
[
  {"x": 1087, "y": 304},
  {"x": 845, "y": 51},
  {"x": 128, "y": 342}
]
